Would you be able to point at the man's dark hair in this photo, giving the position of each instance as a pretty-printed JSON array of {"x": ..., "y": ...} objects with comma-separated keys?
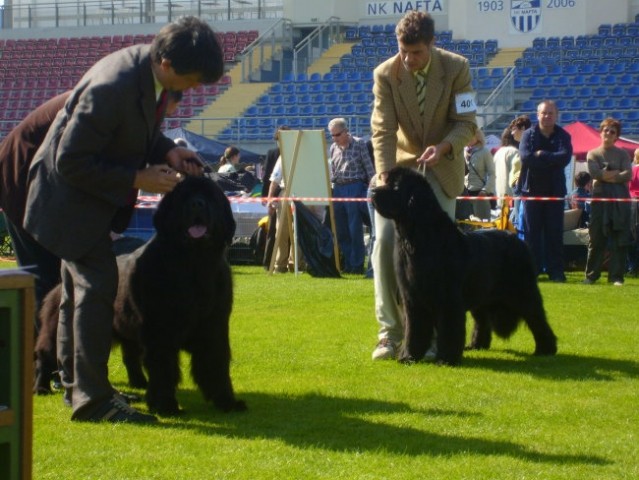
[
  {"x": 415, "y": 27},
  {"x": 582, "y": 179},
  {"x": 192, "y": 47}
]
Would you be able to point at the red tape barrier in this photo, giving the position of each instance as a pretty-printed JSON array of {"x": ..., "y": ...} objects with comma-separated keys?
[{"x": 152, "y": 200}]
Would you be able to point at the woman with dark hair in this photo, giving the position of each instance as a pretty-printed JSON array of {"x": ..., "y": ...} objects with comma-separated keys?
[
  {"x": 230, "y": 160},
  {"x": 611, "y": 170},
  {"x": 507, "y": 161}
]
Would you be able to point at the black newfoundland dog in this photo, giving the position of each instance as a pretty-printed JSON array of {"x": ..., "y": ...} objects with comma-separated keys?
[
  {"x": 175, "y": 293},
  {"x": 442, "y": 273}
]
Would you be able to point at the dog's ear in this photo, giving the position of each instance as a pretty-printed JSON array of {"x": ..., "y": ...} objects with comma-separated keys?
[
  {"x": 161, "y": 215},
  {"x": 226, "y": 214}
]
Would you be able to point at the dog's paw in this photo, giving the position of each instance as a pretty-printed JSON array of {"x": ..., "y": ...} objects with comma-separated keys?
[
  {"x": 549, "y": 351},
  {"x": 443, "y": 362},
  {"x": 40, "y": 390},
  {"x": 231, "y": 405},
  {"x": 407, "y": 359}
]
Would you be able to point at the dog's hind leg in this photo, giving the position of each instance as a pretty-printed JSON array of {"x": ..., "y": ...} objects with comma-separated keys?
[
  {"x": 545, "y": 339},
  {"x": 132, "y": 359},
  {"x": 482, "y": 332},
  {"x": 451, "y": 334}
]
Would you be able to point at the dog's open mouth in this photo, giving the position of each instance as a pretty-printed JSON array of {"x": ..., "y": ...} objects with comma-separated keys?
[{"x": 197, "y": 231}]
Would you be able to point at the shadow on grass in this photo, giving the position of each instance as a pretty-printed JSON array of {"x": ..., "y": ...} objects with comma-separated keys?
[
  {"x": 558, "y": 367},
  {"x": 341, "y": 425}
]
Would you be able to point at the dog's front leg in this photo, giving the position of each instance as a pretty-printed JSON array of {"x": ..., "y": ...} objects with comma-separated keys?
[
  {"x": 418, "y": 332},
  {"x": 162, "y": 365}
]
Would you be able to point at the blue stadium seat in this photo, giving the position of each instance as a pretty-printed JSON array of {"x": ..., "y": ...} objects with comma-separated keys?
[
  {"x": 619, "y": 29},
  {"x": 307, "y": 123},
  {"x": 605, "y": 29},
  {"x": 591, "y": 104},
  {"x": 566, "y": 117},
  {"x": 301, "y": 88},
  {"x": 351, "y": 33},
  {"x": 575, "y": 104},
  {"x": 304, "y": 99},
  {"x": 491, "y": 47},
  {"x": 539, "y": 43},
  {"x": 319, "y": 109},
  {"x": 290, "y": 99},
  {"x": 624, "y": 103},
  {"x": 553, "y": 43}
]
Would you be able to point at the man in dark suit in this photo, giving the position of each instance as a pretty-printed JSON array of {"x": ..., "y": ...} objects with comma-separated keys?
[
  {"x": 103, "y": 146},
  {"x": 16, "y": 154}
]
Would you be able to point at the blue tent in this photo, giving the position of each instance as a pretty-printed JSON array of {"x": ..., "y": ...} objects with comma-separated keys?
[{"x": 209, "y": 150}]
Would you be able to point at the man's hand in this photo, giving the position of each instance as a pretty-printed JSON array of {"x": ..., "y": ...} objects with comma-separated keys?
[
  {"x": 434, "y": 153},
  {"x": 156, "y": 179},
  {"x": 185, "y": 161}
]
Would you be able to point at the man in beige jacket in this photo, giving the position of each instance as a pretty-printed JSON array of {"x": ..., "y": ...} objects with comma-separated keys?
[{"x": 424, "y": 112}]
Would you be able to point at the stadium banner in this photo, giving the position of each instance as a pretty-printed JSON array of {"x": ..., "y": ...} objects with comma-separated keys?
[
  {"x": 394, "y": 9},
  {"x": 525, "y": 16}
]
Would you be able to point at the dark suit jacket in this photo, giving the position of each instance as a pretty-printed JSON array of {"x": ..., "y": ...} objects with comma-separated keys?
[
  {"x": 84, "y": 170},
  {"x": 401, "y": 133},
  {"x": 16, "y": 153}
]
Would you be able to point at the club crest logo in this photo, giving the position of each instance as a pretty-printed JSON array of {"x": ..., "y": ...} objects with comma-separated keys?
[{"x": 525, "y": 15}]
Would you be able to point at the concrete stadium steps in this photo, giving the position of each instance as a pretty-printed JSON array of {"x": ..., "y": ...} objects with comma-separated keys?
[
  {"x": 229, "y": 105},
  {"x": 329, "y": 58},
  {"x": 506, "y": 57}
]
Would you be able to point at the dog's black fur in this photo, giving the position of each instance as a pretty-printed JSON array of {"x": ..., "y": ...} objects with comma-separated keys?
[
  {"x": 175, "y": 293},
  {"x": 442, "y": 273}
]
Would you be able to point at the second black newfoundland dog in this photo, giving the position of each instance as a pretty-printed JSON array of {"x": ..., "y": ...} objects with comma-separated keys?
[
  {"x": 442, "y": 273},
  {"x": 175, "y": 293}
]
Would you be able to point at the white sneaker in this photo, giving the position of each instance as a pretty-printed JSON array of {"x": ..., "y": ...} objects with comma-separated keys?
[
  {"x": 385, "y": 350},
  {"x": 618, "y": 283}
]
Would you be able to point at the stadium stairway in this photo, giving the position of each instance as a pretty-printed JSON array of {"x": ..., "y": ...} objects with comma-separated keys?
[
  {"x": 505, "y": 57},
  {"x": 228, "y": 105},
  {"x": 329, "y": 58}
]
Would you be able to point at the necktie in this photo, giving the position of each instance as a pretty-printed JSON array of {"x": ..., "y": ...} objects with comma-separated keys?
[
  {"x": 160, "y": 108},
  {"x": 421, "y": 90}
]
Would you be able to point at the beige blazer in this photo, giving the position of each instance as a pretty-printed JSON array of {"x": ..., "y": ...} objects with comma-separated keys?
[{"x": 400, "y": 134}]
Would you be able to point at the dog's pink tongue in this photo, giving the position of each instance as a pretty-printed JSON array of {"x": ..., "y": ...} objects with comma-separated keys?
[{"x": 197, "y": 231}]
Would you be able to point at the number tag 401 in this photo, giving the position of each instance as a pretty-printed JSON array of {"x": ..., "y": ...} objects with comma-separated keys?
[{"x": 465, "y": 102}]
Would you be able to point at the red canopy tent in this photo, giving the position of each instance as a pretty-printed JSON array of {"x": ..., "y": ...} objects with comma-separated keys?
[{"x": 585, "y": 137}]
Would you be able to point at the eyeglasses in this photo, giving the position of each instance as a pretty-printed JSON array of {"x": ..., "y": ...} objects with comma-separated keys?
[
  {"x": 338, "y": 134},
  {"x": 612, "y": 131}
]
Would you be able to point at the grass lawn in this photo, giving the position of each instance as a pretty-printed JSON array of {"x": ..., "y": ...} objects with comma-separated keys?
[{"x": 319, "y": 408}]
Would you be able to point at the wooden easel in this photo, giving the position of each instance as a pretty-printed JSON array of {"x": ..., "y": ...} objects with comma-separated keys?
[{"x": 305, "y": 174}]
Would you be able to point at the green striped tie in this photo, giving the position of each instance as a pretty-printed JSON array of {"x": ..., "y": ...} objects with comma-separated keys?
[{"x": 421, "y": 90}]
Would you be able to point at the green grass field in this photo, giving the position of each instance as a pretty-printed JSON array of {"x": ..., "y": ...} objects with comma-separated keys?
[{"x": 319, "y": 408}]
